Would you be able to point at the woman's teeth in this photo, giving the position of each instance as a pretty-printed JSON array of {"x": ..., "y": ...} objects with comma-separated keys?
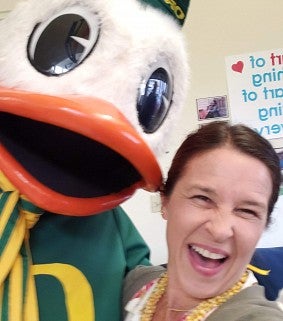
[{"x": 208, "y": 254}]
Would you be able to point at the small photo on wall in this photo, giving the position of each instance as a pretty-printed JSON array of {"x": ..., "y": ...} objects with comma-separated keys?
[{"x": 212, "y": 107}]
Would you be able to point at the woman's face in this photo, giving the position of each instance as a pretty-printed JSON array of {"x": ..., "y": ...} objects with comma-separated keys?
[{"x": 216, "y": 214}]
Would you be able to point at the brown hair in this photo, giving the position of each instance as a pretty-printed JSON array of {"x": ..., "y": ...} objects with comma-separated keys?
[{"x": 217, "y": 134}]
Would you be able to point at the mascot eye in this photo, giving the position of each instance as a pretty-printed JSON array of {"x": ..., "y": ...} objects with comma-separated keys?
[
  {"x": 61, "y": 43},
  {"x": 154, "y": 99}
]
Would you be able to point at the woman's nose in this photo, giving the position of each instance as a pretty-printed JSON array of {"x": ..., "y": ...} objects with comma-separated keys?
[{"x": 220, "y": 225}]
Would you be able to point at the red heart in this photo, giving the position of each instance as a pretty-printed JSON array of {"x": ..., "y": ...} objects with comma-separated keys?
[{"x": 238, "y": 67}]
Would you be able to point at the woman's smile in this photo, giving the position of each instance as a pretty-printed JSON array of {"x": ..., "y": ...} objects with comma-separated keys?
[{"x": 205, "y": 261}]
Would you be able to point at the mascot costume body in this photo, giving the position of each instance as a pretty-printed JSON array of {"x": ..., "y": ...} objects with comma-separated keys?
[{"x": 89, "y": 91}]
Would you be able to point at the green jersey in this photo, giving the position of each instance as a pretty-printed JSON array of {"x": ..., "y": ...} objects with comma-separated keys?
[{"x": 79, "y": 264}]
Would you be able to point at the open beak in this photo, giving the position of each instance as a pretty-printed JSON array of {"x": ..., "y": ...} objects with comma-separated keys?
[{"x": 72, "y": 155}]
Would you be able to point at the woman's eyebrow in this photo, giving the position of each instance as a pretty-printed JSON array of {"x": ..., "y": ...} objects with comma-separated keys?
[{"x": 201, "y": 188}]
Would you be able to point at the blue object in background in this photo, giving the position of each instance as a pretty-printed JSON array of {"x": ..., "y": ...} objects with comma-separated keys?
[{"x": 270, "y": 259}]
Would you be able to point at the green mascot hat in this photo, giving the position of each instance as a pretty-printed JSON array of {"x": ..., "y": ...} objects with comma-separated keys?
[{"x": 176, "y": 8}]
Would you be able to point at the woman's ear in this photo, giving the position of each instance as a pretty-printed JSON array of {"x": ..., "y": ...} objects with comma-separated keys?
[
  {"x": 164, "y": 201},
  {"x": 164, "y": 213},
  {"x": 163, "y": 207}
]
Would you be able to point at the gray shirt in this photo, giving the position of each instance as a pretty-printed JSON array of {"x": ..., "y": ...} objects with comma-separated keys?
[{"x": 249, "y": 304}]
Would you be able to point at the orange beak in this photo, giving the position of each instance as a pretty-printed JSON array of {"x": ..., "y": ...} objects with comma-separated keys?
[{"x": 72, "y": 155}]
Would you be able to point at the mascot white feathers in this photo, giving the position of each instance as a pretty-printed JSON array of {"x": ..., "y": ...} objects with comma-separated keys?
[{"x": 89, "y": 92}]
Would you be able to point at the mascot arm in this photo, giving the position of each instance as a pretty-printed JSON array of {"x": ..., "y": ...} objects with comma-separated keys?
[{"x": 135, "y": 248}]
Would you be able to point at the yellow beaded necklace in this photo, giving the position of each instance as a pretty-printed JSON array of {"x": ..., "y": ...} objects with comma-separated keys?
[{"x": 200, "y": 310}]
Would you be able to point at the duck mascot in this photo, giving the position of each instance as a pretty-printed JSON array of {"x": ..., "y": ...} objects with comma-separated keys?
[{"x": 89, "y": 92}]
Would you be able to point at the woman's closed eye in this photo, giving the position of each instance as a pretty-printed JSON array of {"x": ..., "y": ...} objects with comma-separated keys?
[
  {"x": 247, "y": 212},
  {"x": 202, "y": 199}
]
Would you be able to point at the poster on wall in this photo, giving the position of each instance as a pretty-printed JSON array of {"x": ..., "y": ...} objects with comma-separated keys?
[{"x": 255, "y": 87}]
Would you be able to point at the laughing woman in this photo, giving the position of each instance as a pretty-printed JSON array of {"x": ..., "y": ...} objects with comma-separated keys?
[{"x": 217, "y": 200}]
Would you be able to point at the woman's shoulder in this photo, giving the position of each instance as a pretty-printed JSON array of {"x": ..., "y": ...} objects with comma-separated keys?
[
  {"x": 144, "y": 274},
  {"x": 137, "y": 278},
  {"x": 249, "y": 304}
]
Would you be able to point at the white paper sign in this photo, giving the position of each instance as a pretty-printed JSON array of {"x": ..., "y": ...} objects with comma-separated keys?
[{"x": 255, "y": 85}]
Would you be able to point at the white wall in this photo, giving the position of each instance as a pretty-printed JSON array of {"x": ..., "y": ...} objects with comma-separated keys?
[
  {"x": 5, "y": 6},
  {"x": 214, "y": 29}
]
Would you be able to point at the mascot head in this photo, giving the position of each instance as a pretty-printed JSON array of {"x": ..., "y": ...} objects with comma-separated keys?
[{"x": 89, "y": 93}]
